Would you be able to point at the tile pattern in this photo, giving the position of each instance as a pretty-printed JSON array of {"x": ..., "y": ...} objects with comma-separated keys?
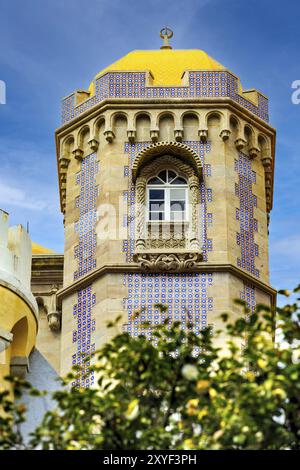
[
  {"x": 82, "y": 336},
  {"x": 201, "y": 84},
  {"x": 245, "y": 215},
  {"x": 85, "y": 251},
  {"x": 185, "y": 295},
  {"x": 180, "y": 292}
]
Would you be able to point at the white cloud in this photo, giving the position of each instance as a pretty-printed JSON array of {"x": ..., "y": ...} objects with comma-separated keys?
[{"x": 13, "y": 196}]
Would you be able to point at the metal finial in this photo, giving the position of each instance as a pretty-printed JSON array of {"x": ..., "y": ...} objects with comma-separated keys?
[{"x": 166, "y": 34}]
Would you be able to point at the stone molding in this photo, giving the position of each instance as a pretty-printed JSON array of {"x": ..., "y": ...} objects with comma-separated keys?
[
  {"x": 135, "y": 268},
  {"x": 220, "y": 103}
]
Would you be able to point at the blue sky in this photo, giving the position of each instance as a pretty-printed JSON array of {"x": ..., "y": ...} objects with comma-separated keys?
[{"x": 50, "y": 48}]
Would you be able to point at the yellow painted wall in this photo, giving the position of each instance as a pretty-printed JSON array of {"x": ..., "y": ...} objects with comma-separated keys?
[{"x": 16, "y": 317}]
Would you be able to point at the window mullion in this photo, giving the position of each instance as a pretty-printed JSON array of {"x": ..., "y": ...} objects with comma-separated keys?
[{"x": 166, "y": 204}]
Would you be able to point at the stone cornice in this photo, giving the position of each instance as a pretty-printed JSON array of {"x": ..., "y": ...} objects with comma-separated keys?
[
  {"x": 123, "y": 103},
  {"x": 136, "y": 268},
  {"x": 175, "y": 103}
]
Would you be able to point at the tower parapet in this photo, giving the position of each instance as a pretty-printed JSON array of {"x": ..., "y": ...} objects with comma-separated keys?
[{"x": 196, "y": 84}]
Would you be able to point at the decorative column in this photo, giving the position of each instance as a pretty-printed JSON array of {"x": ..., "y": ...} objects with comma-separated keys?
[
  {"x": 267, "y": 163},
  {"x": 194, "y": 219},
  {"x": 140, "y": 188},
  {"x": 64, "y": 162}
]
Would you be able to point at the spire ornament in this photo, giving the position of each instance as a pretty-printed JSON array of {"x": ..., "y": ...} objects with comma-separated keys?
[{"x": 166, "y": 34}]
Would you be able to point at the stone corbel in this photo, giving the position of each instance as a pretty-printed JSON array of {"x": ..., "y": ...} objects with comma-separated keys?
[
  {"x": 19, "y": 366},
  {"x": 253, "y": 152},
  {"x": 54, "y": 316},
  {"x": 154, "y": 133},
  {"x": 78, "y": 154},
  {"x": 203, "y": 134},
  {"x": 178, "y": 135},
  {"x": 225, "y": 134},
  {"x": 109, "y": 135},
  {"x": 131, "y": 135},
  {"x": 63, "y": 177},
  {"x": 266, "y": 161},
  {"x": 168, "y": 262},
  {"x": 240, "y": 143},
  {"x": 64, "y": 162},
  {"x": 94, "y": 144},
  {"x": 54, "y": 321}
]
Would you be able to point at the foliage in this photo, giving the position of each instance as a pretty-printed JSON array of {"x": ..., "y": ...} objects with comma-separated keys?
[{"x": 167, "y": 396}]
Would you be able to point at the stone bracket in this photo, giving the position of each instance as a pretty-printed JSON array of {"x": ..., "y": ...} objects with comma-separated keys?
[{"x": 168, "y": 261}]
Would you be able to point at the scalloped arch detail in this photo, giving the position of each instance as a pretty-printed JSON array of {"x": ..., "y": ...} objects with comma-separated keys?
[{"x": 175, "y": 149}]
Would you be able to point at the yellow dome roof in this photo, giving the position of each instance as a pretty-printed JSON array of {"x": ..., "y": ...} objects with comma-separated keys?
[
  {"x": 40, "y": 250},
  {"x": 166, "y": 65}
]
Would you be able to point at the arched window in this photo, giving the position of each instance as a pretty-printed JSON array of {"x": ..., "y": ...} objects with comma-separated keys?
[
  {"x": 167, "y": 197},
  {"x": 167, "y": 214}
]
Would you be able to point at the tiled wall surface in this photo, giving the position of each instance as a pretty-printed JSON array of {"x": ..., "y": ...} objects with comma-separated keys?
[{"x": 133, "y": 85}]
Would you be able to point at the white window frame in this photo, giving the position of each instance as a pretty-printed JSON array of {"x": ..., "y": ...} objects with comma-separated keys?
[{"x": 167, "y": 210}]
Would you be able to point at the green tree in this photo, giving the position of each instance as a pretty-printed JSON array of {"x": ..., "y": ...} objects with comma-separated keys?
[{"x": 171, "y": 396}]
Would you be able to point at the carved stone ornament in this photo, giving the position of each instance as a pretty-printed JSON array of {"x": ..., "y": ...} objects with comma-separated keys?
[
  {"x": 178, "y": 134},
  {"x": 253, "y": 152},
  {"x": 224, "y": 134},
  {"x": 203, "y": 134},
  {"x": 54, "y": 321},
  {"x": 168, "y": 262},
  {"x": 54, "y": 316},
  {"x": 240, "y": 143},
  {"x": 78, "y": 154},
  {"x": 64, "y": 161},
  {"x": 131, "y": 135},
  {"x": 109, "y": 135},
  {"x": 176, "y": 149},
  {"x": 154, "y": 135},
  {"x": 94, "y": 144}
]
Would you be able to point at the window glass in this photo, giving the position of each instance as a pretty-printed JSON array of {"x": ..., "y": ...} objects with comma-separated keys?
[
  {"x": 177, "y": 193},
  {"x": 168, "y": 198},
  {"x": 163, "y": 175},
  {"x": 155, "y": 180},
  {"x": 179, "y": 180},
  {"x": 171, "y": 176},
  {"x": 157, "y": 194}
]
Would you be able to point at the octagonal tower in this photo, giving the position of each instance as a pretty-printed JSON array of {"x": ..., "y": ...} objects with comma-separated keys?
[{"x": 166, "y": 183}]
